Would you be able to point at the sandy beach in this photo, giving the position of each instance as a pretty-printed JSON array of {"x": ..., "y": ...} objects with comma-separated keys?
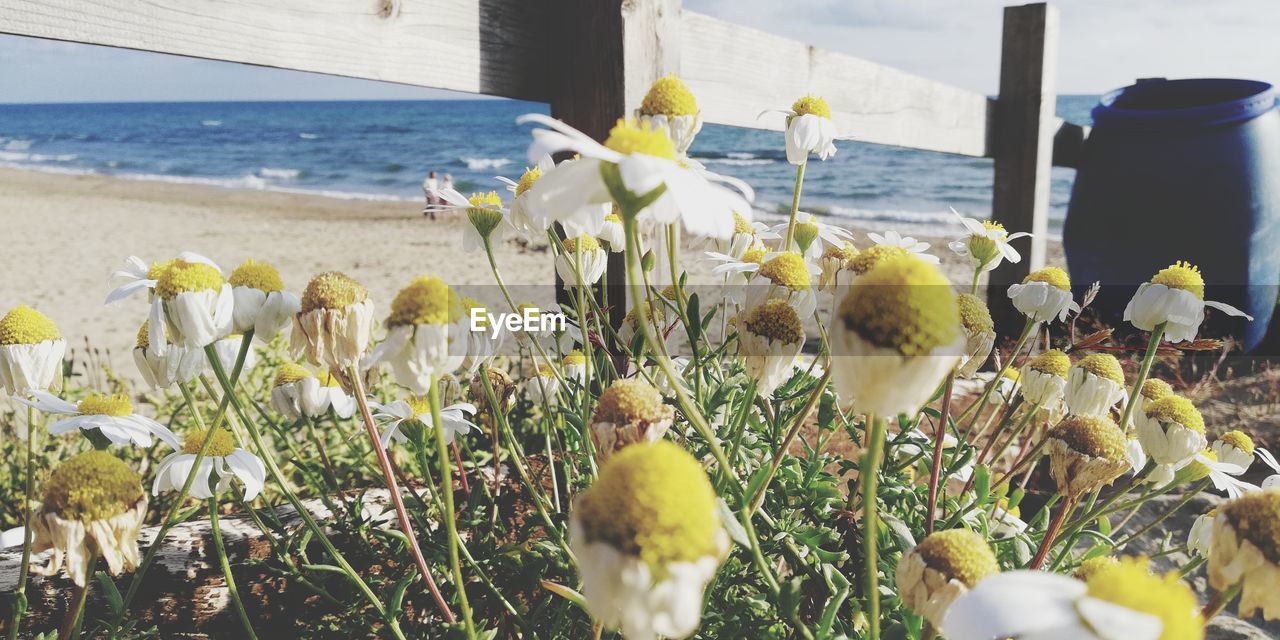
[{"x": 66, "y": 234}]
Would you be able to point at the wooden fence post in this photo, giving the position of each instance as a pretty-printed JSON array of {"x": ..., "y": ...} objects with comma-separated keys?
[
  {"x": 1022, "y": 144},
  {"x": 607, "y": 53}
]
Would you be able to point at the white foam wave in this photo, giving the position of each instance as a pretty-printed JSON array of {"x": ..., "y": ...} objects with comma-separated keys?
[
  {"x": 737, "y": 162},
  {"x": 211, "y": 123},
  {"x": 256, "y": 183},
  {"x": 308, "y": 136},
  {"x": 282, "y": 174},
  {"x": 15, "y": 156},
  {"x": 48, "y": 168},
  {"x": 18, "y": 144},
  {"x": 475, "y": 164}
]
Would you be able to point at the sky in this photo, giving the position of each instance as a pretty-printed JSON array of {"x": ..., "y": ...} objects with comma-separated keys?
[{"x": 1104, "y": 44}]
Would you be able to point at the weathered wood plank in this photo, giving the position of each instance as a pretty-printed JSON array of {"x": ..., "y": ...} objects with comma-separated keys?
[
  {"x": 493, "y": 47},
  {"x": 1022, "y": 142},
  {"x": 737, "y": 72}
]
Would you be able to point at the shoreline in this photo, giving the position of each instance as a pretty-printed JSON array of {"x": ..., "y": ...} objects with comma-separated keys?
[{"x": 73, "y": 231}]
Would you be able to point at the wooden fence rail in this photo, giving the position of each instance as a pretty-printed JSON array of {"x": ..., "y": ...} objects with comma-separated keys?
[{"x": 593, "y": 59}]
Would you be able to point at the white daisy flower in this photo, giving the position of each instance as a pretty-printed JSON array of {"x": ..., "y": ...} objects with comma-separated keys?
[
  {"x": 809, "y": 130},
  {"x": 485, "y": 215},
  {"x": 1205, "y": 464},
  {"x": 827, "y": 235},
  {"x": 1200, "y": 536},
  {"x": 1171, "y": 431},
  {"x": 111, "y": 415},
  {"x": 987, "y": 243},
  {"x": 228, "y": 349},
  {"x": 136, "y": 276},
  {"x": 31, "y": 350},
  {"x": 543, "y": 387},
  {"x": 746, "y": 234},
  {"x": 1122, "y": 600},
  {"x": 612, "y": 234},
  {"x": 634, "y": 159},
  {"x": 1152, "y": 389},
  {"x": 944, "y": 566},
  {"x": 482, "y": 343},
  {"x": 297, "y": 393},
  {"x": 261, "y": 303},
  {"x": 1095, "y": 383},
  {"x": 1174, "y": 296},
  {"x": 416, "y": 414},
  {"x": 1273, "y": 481},
  {"x": 1044, "y": 379},
  {"x": 629, "y": 411},
  {"x": 176, "y": 365},
  {"x": 670, "y": 105},
  {"x": 915, "y": 247},
  {"x": 1044, "y": 295},
  {"x": 896, "y": 336},
  {"x": 770, "y": 337},
  {"x": 426, "y": 334},
  {"x": 192, "y": 304},
  {"x": 979, "y": 334},
  {"x": 521, "y": 217},
  {"x": 785, "y": 276},
  {"x": 832, "y": 263},
  {"x": 648, "y": 538},
  {"x": 574, "y": 366},
  {"x": 1235, "y": 447},
  {"x": 222, "y": 462},
  {"x": 335, "y": 324},
  {"x": 583, "y": 251}
]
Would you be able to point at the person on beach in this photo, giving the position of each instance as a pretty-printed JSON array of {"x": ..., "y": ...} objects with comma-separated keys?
[
  {"x": 430, "y": 188},
  {"x": 448, "y": 182}
]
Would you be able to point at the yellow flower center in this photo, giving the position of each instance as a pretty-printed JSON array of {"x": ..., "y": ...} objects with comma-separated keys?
[
  {"x": 843, "y": 253},
  {"x": 419, "y": 405},
  {"x": 644, "y": 311},
  {"x": 628, "y": 400},
  {"x": 256, "y": 275},
  {"x": 157, "y": 269},
  {"x": 427, "y": 300},
  {"x": 1051, "y": 276},
  {"x": 1181, "y": 275},
  {"x": 872, "y": 256},
  {"x": 332, "y": 290},
  {"x": 220, "y": 447},
  {"x": 187, "y": 277},
  {"x": 1011, "y": 374},
  {"x": 546, "y": 371},
  {"x": 1103, "y": 365},
  {"x": 993, "y": 226},
  {"x": 1092, "y": 566},
  {"x": 974, "y": 314},
  {"x": 24, "y": 325},
  {"x": 614, "y": 218},
  {"x": 327, "y": 379},
  {"x": 1053, "y": 361},
  {"x": 787, "y": 270},
  {"x": 959, "y": 554},
  {"x": 903, "y": 304},
  {"x": 1155, "y": 388},
  {"x": 1195, "y": 470},
  {"x": 740, "y": 224},
  {"x": 92, "y": 486},
  {"x": 776, "y": 320},
  {"x": 101, "y": 404},
  {"x": 1170, "y": 409},
  {"x": 1255, "y": 516},
  {"x": 630, "y": 137},
  {"x": 484, "y": 213},
  {"x": 812, "y": 104},
  {"x": 1239, "y": 440},
  {"x": 1129, "y": 584},
  {"x": 584, "y": 241},
  {"x": 754, "y": 254},
  {"x": 669, "y": 96},
  {"x": 653, "y": 502},
  {"x": 144, "y": 336},
  {"x": 289, "y": 373},
  {"x": 527, "y": 179},
  {"x": 1092, "y": 436},
  {"x": 575, "y": 358}
]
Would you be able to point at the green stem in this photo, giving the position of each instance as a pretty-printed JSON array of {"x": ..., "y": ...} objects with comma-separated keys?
[
  {"x": 226, "y": 569},
  {"x": 868, "y": 477},
  {"x": 20, "y": 607},
  {"x": 795, "y": 205},
  {"x": 940, "y": 437},
  {"x": 446, "y": 489},
  {"x": 977, "y": 407},
  {"x": 1220, "y": 601},
  {"x": 781, "y": 451},
  {"x": 1144, "y": 370}
]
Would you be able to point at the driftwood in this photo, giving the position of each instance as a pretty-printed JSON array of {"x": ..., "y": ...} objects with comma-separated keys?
[{"x": 184, "y": 594}]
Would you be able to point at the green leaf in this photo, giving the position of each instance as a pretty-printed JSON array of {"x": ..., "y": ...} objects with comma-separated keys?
[
  {"x": 827, "y": 412},
  {"x": 694, "y": 327},
  {"x": 109, "y": 591},
  {"x": 901, "y": 532},
  {"x": 982, "y": 483},
  {"x": 789, "y": 598}
]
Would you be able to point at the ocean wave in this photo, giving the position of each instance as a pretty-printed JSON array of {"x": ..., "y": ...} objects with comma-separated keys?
[
  {"x": 923, "y": 223},
  {"x": 48, "y": 168},
  {"x": 283, "y": 174},
  {"x": 256, "y": 183},
  {"x": 308, "y": 136},
  {"x": 15, "y": 156},
  {"x": 18, "y": 144},
  {"x": 211, "y": 123},
  {"x": 737, "y": 162},
  {"x": 476, "y": 164}
]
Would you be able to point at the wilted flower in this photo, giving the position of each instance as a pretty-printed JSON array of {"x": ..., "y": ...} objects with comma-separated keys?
[
  {"x": 770, "y": 336},
  {"x": 833, "y": 261},
  {"x": 1174, "y": 296},
  {"x": 222, "y": 461},
  {"x": 426, "y": 334},
  {"x": 111, "y": 415},
  {"x": 1118, "y": 600},
  {"x": 648, "y": 539},
  {"x": 502, "y": 386},
  {"x": 416, "y": 414},
  {"x": 162, "y": 370},
  {"x": 31, "y": 351},
  {"x": 1044, "y": 295},
  {"x": 1245, "y": 551},
  {"x": 1044, "y": 378},
  {"x": 670, "y": 106},
  {"x": 628, "y": 412},
  {"x": 896, "y": 336},
  {"x": 1235, "y": 447},
  {"x": 1171, "y": 431},
  {"x": 261, "y": 303},
  {"x": 1085, "y": 453},
  {"x": 93, "y": 506},
  {"x": 944, "y": 566},
  {"x": 298, "y": 393},
  {"x": 582, "y": 252},
  {"x": 979, "y": 334},
  {"x": 335, "y": 324},
  {"x": 1095, "y": 384}
]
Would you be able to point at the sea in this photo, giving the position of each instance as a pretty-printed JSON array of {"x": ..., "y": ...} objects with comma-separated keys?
[{"x": 382, "y": 150}]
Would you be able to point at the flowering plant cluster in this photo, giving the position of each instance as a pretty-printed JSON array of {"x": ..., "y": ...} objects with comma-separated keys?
[{"x": 804, "y": 466}]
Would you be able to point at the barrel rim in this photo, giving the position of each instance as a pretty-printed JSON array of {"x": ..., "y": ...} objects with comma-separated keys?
[{"x": 1258, "y": 97}]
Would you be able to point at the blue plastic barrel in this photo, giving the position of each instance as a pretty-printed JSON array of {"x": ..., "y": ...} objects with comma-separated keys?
[{"x": 1182, "y": 170}]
